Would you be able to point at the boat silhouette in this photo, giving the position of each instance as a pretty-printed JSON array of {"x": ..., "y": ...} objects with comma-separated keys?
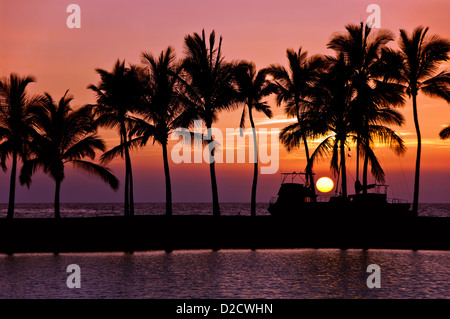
[{"x": 297, "y": 198}]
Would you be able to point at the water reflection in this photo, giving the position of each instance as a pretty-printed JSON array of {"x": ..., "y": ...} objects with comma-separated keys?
[{"x": 229, "y": 274}]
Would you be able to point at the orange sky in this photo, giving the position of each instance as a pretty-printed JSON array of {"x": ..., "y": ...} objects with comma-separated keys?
[{"x": 34, "y": 39}]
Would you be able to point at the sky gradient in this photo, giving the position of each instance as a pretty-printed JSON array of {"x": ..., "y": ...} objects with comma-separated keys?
[{"x": 35, "y": 40}]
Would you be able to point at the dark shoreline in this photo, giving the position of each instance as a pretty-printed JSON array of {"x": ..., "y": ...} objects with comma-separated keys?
[{"x": 159, "y": 232}]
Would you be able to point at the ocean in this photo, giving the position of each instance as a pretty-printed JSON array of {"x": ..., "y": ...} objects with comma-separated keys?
[
  {"x": 236, "y": 274},
  {"x": 46, "y": 210}
]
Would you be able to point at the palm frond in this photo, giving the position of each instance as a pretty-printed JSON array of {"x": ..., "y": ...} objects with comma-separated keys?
[
  {"x": 243, "y": 116},
  {"x": 438, "y": 86},
  {"x": 84, "y": 148},
  {"x": 387, "y": 137},
  {"x": 99, "y": 171},
  {"x": 445, "y": 133},
  {"x": 28, "y": 169},
  {"x": 291, "y": 136},
  {"x": 119, "y": 150},
  {"x": 324, "y": 148},
  {"x": 375, "y": 168}
]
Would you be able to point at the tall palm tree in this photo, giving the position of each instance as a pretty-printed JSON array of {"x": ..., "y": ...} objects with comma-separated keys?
[
  {"x": 330, "y": 116},
  {"x": 209, "y": 88},
  {"x": 253, "y": 87},
  {"x": 161, "y": 109},
  {"x": 64, "y": 136},
  {"x": 294, "y": 87},
  {"x": 362, "y": 49},
  {"x": 117, "y": 93},
  {"x": 16, "y": 126},
  {"x": 419, "y": 59}
]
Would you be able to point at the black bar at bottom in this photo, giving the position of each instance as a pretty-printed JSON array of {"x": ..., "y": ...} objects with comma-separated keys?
[{"x": 220, "y": 308}]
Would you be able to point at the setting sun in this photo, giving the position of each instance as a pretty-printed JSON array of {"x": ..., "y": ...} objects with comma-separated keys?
[{"x": 324, "y": 184}]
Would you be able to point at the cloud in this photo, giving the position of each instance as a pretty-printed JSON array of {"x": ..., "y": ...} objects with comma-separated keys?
[
  {"x": 404, "y": 133},
  {"x": 430, "y": 142},
  {"x": 276, "y": 120},
  {"x": 248, "y": 131}
]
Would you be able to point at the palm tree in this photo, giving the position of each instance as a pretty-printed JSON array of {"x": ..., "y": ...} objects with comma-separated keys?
[
  {"x": 209, "y": 88},
  {"x": 362, "y": 50},
  {"x": 117, "y": 94},
  {"x": 419, "y": 59},
  {"x": 253, "y": 86},
  {"x": 16, "y": 126},
  {"x": 161, "y": 109},
  {"x": 294, "y": 87},
  {"x": 330, "y": 116},
  {"x": 64, "y": 136}
]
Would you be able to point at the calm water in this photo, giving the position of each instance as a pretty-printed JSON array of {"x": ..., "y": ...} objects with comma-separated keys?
[
  {"x": 229, "y": 274},
  {"x": 224, "y": 274},
  {"x": 116, "y": 209}
]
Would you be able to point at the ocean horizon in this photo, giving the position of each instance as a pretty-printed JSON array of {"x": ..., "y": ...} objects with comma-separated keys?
[{"x": 46, "y": 210}]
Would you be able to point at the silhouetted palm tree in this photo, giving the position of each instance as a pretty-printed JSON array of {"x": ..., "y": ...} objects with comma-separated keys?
[
  {"x": 331, "y": 115},
  {"x": 294, "y": 88},
  {"x": 253, "y": 87},
  {"x": 419, "y": 60},
  {"x": 161, "y": 109},
  {"x": 117, "y": 94},
  {"x": 209, "y": 88},
  {"x": 362, "y": 50},
  {"x": 16, "y": 126},
  {"x": 64, "y": 136}
]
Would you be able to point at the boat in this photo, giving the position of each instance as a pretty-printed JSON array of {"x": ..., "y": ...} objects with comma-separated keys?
[{"x": 297, "y": 198}]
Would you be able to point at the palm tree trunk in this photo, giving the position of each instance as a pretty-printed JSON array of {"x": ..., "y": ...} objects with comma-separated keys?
[
  {"x": 365, "y": 169},
  {"x": 309, "y": 171},
  {"x": 419, "y": 150},
  {"x": 357, "y": 157},
  {"x": 343, "y": 170},
  {"x": 126, "y": 202},
  {"x": 168, "y": 185},
  {"x": 212, "y": 171},
  {"x": 123, "y": 138},
  {"x": 308, "y": 159},
  {"x": 255, "y": 166},
  {"x": 216, "y": 207},
  {"x": 57, "y": 191},
  {"x": 130, "y": 172},
  {"x": 12, "y": 186}
]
